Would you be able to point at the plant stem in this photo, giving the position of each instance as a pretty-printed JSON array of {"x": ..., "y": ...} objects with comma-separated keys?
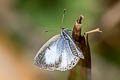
[{"x": 82, "y": 43}]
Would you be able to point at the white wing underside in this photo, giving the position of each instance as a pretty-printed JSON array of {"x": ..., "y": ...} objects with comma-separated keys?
[{"x": 56, "y": 54}]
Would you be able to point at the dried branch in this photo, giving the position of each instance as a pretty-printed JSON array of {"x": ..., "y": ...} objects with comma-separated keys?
[{"x": 82, "y": 43}]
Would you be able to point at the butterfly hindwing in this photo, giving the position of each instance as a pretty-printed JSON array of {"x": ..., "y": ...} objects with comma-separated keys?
[
  {"x": 75, "y": 50},
  {"x": 68, "y": 59}
]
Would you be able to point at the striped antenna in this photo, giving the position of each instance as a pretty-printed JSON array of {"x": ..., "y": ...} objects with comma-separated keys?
[{"x": 62, "y": 19}]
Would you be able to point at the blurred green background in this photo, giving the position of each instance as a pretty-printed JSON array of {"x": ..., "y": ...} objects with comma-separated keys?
[{"x": 23, "y": 26}]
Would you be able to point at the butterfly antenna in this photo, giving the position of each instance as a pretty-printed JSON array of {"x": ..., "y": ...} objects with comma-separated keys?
[{"x": 62, "y": 19}]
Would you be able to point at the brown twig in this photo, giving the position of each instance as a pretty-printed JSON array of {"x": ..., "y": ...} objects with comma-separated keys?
[
  {"x": 82, "y": 43},
  {"x": 94, "y": 30}
]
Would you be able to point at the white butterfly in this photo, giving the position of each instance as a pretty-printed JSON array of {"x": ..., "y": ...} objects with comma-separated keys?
[{"x": 58, "y": 53}]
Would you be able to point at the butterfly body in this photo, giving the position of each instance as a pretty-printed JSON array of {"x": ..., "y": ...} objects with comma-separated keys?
[{"x": 58, "y": 53}]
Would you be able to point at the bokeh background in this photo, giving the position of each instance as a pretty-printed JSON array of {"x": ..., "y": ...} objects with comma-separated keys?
[{"x": 25, "y": 25}]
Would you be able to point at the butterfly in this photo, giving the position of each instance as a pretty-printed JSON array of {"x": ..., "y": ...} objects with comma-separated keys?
[{"x": 59, "y": 53}]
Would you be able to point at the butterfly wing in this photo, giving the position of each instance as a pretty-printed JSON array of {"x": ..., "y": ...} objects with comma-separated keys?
[
  {"x": 68, "y": 60},
  {"x": 75, "y": 50},
  {"x": 48, "y": 57},
  {"x": 56, "y": 54}
]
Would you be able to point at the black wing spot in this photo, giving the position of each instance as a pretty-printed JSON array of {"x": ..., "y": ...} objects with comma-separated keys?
[{"x": 73, "y": 63}]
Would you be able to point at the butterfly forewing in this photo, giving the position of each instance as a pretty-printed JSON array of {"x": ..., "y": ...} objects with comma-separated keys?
[{"x": 47, "y": 55}]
